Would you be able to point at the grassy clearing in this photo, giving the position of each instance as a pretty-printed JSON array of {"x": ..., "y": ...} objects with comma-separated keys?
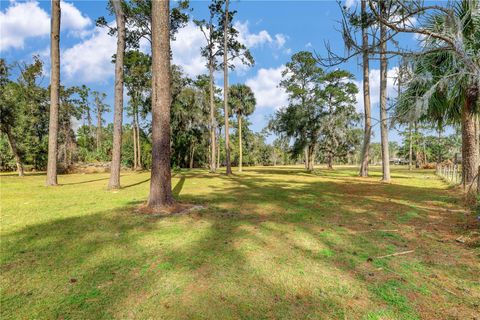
[{"x": 271, "y": 243}]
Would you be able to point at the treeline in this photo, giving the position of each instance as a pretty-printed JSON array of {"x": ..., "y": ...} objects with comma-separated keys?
[{"x": 85, "y": 136}]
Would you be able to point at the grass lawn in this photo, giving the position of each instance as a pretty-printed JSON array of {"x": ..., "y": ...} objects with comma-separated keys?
[{"x": 272, "y": 243}]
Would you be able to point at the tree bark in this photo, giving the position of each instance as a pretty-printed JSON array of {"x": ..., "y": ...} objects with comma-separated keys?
[
  {"x": 330, "y": 161},
  {"x": 192, "y": 154},
  {"x": 16, "y": 155},
  {"x": 54, "y": 94},
  {"x": 225, "y": 92},
  {"x": 305, "y": 152},
  {"x": 213, "y": 168},
  {"x": 114, "y": 182},
  {"x": 366, "y": 95},
  {"x": 311, "y": 157},
  {"x": 469, "y": 141},
  {"x": 383, "y": 98},
  {"x": 410, "y": 147},
  {"x": 160, "y": 183},
  {"x": 240, "y": 143},
  {"x": 139, "y": 148},
  {"x": 135, "y": 157},
  {"x": 218, "y": 147},
  {"x": 99, "y": 123}
]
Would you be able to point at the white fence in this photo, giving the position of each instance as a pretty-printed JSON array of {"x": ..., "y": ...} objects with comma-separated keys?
[{"x": 450, "y": 172}]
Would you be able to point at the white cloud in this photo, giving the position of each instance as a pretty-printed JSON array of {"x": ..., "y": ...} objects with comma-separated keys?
[
  {"x": 90, "y": 60},
  {"x": 186, "y": 50},
  {"x": 24, "y": 20},
  {"x": 252, "y": 40},
  {"x": 72, "y": 18},
  {"x": 265, "y": 85},
  {"x": 375, "y": 88},
  {"x": 21, "y": 21}
]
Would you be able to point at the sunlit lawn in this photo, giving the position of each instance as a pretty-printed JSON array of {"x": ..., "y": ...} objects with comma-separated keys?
[{"x": 271, "y": 243}]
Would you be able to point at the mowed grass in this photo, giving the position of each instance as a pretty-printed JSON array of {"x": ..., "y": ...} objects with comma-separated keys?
[{"x": 271, "y": 243}]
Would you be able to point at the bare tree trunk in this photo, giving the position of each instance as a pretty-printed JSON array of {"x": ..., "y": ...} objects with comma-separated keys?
[
  {"x": 213, "y": 168},
  {"x": 383, "y": 98},
  {"x": 410, "y": 147},
  {"x": 469, "y": 142},
  {"x": 192, "y": 154},
  {"x": 139, "y": 148},
  {"x": 366, "y": 95},
  {"x": 135, "y": 157},
  {"x": 240, "y": 142},
  {"x": 16, "y": 155},
  {"x": 311, "y": 157},
  {"x": 305, "y": 152},
  {"x": 439, "y": 155},
  {"x": 54, "y": 94},
  {"x": 99, "y": 124},
  {"x": 225, "y": 92},
  {"x": 218, "y": 147},
  {"x": 160, "y": 183},
  {"x": 330, "y": 161},
  {"x": 90, "y": 125},
  {"x": 114, "y": 182}
]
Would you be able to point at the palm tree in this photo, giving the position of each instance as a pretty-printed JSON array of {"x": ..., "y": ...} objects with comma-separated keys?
[
  {"x": 54, "y": 94},
  {"x": 160, "y": 183},
  {"x": 114, "y": 182},
  {"x": 445, "y": 84},
  {"x": 242, "y": 103}
]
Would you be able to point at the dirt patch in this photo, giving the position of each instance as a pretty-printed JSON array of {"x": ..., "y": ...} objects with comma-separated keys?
[{"x": 167, "y": 211}]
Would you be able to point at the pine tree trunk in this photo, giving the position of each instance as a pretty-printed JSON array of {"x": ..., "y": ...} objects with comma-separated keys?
[
  {"x": 54, "y": 94},
  {"x": 311, "y": 157},
  {"x": 135, "y": 157},
  {"x": 383, "y": 98},
  {"x": 469, "y": 142},
  {"x": 305, "y": 153},
  {"x": 213, "y": 168},
  {"x": 16, "y": 155},
  {"x": 218, "y": 147},
  {"x": 139, "y": 148},
  {"x": 160, "y": 183},
  {"x": 240, "y": 142},
  {"x": 366, "y": 95},
  {"x": 410, "y": 147},
  {"x": 225, "y": 92},
  {"x": 99, "y": 125},
  {"x": 114, "y": 182}
]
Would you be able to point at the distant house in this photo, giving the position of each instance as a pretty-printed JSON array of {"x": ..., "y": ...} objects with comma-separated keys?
[{"x": 398, "y": 161}]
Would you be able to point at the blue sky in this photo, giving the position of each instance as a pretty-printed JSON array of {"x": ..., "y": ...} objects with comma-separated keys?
[{"x": 273, "y": 30}]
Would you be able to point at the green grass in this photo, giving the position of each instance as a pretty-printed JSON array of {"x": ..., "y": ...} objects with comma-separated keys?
[{"x": 271, "y": 243}]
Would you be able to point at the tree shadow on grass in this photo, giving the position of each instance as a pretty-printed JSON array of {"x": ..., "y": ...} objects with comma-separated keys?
[{"x": 300, "y": 257}]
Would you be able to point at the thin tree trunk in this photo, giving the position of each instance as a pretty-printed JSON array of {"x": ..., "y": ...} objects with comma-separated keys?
[
  {"x": 366, "y": 95},
  {"x": 330, "y": 161},
  {"x": 225, "y": 92},
  {"x": 135, "y": 157},
  {"x": 139, "y": 148},
  {"x": 54, "y": 94},
  {"x": 160, "y": 183},
  {"x": 218, "y": 147},
  {"x": 439, "y": 154},
  {"x": 213, "y": 168},
  {"x": 114, "y": 182},
  {"x": 311, "y": 157},
  {"x": 469, "y": 143},
  {"x": 240, "y": 142},
  {"x": 99, "y": 124},
  {"x": 90, "y": 125},
  {"x": 383, "y": 98},
  {"x": 13, "y": 146},
  {"x": 410, "y": 147},
  {"x": 192, "y": 154},
  {"x": 305, "y": 152}
]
